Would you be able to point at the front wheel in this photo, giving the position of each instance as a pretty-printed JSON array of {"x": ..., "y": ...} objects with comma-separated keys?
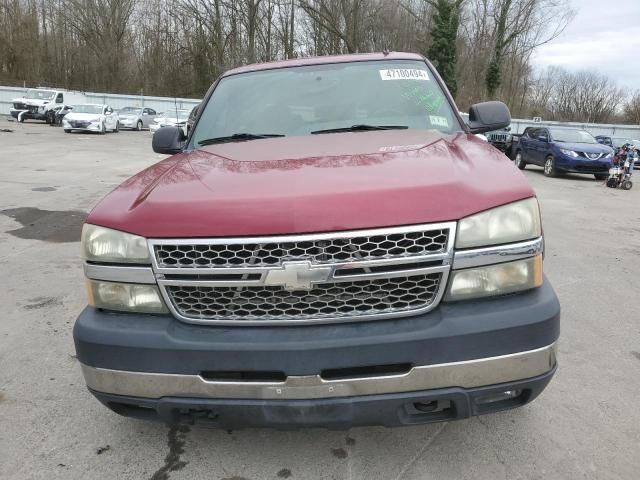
[
  {"x": 627, "y": 184},
  {"x": 519, "y": 161},
  {"x": 139, "y": 125},
  {"x": 103, "y": 128},
  {"x": 117, "y": 129},
  {"x": 601, "y": 176},
  {"x": 550, "y": 167},
  {"x": 67, "y": 130}
]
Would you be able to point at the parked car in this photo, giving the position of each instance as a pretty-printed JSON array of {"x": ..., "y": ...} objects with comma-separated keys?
[
  {"x": 617, "y": 142},
  {"x": 604, "y": 140},
  {"x": 505, "y": 141},
  {"x": 173, "y": 118},
  {"x": 36, "y": 103},
  {"x": 193, "y": 115},
  {"x": 91, "y": 118},
  {"x": 500, "y": 138},
  {"x": 136, "y": 118},
  {"x": 561, "y": 150},
  {"x": 57, "y": 113},
  {"x": 320, "y": 256}
]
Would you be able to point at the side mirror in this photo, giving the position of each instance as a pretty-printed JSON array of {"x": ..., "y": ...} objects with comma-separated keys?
[
  {"x": 487, "y": 116},
  {"x": 168, "y": 140}
]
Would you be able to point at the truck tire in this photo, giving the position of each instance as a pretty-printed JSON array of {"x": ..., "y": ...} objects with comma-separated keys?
[
  {"x": 550, "y": 167},
  {"x": 519, "y": 161}
]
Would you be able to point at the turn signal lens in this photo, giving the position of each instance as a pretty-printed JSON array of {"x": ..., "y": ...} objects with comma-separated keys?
[
  {"x": 495, "y": 280},
  {"x": 125, "y": 297}
]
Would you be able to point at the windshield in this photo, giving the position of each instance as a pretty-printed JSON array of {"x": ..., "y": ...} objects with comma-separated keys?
[
  {"x": 572, "y": 136},
  {"x": 40, "y": 94},
  {"x": 129, "y": 110},
  {"x": 301, "y": 100},
  {"x": 87, "y": 109}
]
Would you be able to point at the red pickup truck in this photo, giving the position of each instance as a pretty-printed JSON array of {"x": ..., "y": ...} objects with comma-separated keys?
[{"x": 331, "y": 246}]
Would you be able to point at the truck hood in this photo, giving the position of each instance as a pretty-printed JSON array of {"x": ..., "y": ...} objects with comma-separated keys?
[
  {"x": 31, "y": 101},
  {"x": 316, "y": 183}
]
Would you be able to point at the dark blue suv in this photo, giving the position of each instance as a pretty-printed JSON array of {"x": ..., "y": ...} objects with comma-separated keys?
[{"x": 560, "y": 150}]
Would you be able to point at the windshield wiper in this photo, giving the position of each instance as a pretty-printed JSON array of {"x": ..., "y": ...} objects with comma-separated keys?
[
  {"x": 361, "y": 128},
  {"x": 239, "y": 137}
]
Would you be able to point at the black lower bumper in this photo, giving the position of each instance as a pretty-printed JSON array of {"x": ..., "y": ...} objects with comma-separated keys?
[
  {"x": 457, "y": 333},
  {"x": 390, "y": 410},
  {"x": 452, "y": 332}
]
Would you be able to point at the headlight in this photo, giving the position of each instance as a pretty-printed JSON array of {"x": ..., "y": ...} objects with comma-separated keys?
[
  {"x": 125, "y": 297},
  {"x": 510, "y": 223},
  {"x": 101, "y": 244},
  {"x": 494, "y": 280},
  {"x": 569, "y": 153}
]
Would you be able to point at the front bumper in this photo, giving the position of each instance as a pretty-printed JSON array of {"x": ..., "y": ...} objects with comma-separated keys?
[
  {"x": 128, "y": 124},
  {"x": 389, "y": 410},
  {"x": 583, "y": 166},
  {"x": 154, "y": 363},
  {"x": 82, "y": 126},
  {"x": 28, "y": 114}
]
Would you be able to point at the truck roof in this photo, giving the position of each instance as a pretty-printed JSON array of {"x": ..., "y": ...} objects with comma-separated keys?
[{"x": 297, "y": 62}]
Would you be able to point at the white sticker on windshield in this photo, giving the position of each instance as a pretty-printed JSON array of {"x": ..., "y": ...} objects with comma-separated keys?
[
  {"x": 403, "y": 74},
  {"x": 438, "y": 121}
]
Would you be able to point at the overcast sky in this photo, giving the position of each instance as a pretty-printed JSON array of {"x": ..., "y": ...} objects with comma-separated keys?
[{"x": 604, "y": 36}]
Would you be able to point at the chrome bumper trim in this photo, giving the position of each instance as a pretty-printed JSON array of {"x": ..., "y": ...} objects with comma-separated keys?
[
  {"x": 110, "y": 273},
  {"x": 467, "y": 374},
  {"x": 499, "y": 254}
]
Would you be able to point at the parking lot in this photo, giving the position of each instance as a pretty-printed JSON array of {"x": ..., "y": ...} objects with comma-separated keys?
[{"x": 585, "y": 425}]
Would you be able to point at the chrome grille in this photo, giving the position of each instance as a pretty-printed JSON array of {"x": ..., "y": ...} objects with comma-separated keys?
[
  {"x": 330, "y": 250},
  {"x": 330, "y": 300},
  {"x": 300, "y": 279},
  {"x": 498, "y": 137}
]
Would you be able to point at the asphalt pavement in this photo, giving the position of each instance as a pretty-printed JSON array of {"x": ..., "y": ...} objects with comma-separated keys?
[{"x": 586, "y": 425}]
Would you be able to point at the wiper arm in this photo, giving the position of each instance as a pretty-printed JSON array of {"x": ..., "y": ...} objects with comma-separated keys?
[
  {"x": 239, "y": 137},
  {"x": 361, "y": 128}
]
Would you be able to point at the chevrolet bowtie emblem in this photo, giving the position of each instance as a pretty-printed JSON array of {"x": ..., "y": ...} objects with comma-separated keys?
[{"x": 297, "y": 275}]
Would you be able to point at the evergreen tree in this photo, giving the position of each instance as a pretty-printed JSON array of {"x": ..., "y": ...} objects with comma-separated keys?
[{"x": 442, "y": 51}]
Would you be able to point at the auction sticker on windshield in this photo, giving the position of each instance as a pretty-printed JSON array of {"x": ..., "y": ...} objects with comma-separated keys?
[{"x": 403, "y": 74}]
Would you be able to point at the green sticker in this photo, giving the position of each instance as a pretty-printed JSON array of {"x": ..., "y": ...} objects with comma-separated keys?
[{"x": 430, "y": 100}]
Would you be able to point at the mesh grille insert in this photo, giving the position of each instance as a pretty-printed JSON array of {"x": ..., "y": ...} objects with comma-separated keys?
[
  {"x": 357, "y": 248},
  {"x": 330, "y": 300}
]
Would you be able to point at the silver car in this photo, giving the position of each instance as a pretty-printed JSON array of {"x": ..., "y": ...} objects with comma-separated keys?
[{"x": 136, "y": 118}]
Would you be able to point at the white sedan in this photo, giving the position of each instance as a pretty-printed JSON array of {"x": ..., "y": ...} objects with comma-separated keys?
[
  {"x": 173, "y": 118},
  {"x": 91, "y": 118}
]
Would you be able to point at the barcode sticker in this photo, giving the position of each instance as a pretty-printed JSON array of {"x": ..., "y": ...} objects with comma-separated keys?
[{"x": 404, "y": 74}]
